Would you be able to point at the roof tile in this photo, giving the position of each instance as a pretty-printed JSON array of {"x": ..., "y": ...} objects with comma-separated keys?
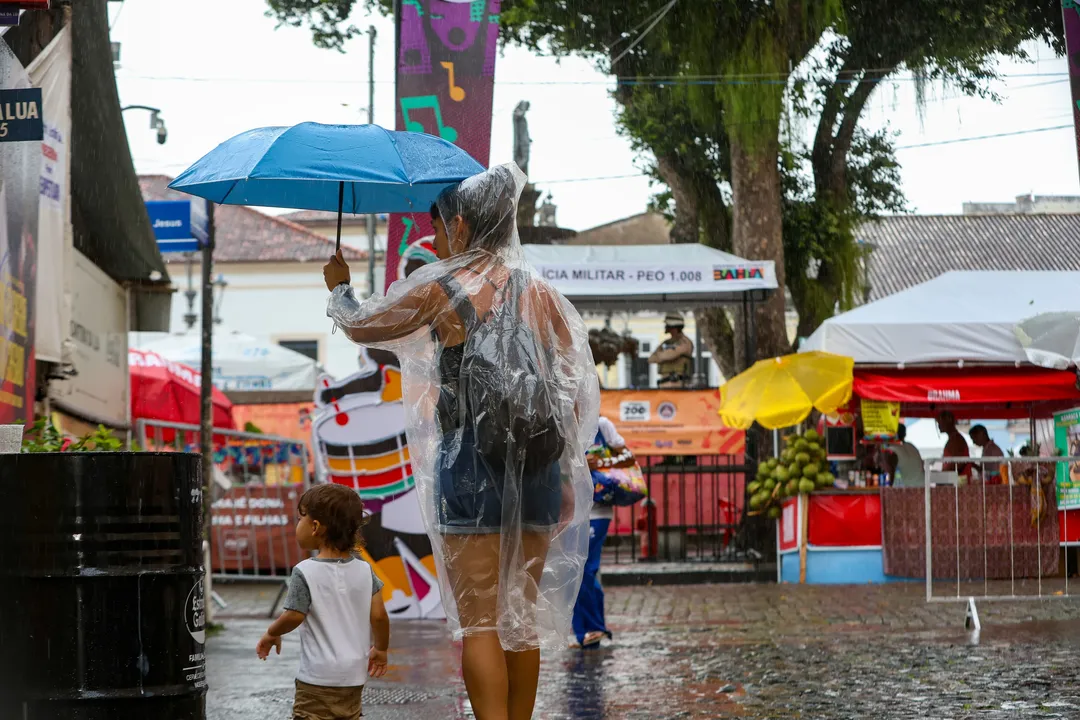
[{"x": 910, "y": 249}]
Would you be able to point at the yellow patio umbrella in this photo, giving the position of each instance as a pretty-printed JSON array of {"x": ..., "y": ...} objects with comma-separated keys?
[{"x": 782, "y": 391}]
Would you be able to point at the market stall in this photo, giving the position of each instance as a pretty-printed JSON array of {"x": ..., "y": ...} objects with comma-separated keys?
[
  {"x": 948, "y": 345},
  {"x": 691, "y": 461}
]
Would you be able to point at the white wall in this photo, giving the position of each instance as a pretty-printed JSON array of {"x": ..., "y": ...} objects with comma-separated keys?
[
  {"x": 278, "y": 301},
  {"x": 97, "y": 330},
  {"x": 355, "y": 236}
]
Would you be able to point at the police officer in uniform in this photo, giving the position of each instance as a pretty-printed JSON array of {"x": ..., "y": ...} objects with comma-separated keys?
[{"x": 675, "y": 356}]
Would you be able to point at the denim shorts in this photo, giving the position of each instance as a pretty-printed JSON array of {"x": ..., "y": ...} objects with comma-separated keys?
[{"x": 469, "y": 494}]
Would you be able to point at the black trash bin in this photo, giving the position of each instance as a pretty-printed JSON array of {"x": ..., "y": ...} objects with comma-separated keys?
[{"x": 101, "y": 587}]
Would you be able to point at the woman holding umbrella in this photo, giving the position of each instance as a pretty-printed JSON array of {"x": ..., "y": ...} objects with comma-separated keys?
[{"x": 502, "y": 401}]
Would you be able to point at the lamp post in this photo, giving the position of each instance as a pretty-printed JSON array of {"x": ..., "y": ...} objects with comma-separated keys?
[
  {"x": 156, "y": 121},
  {"x": 219, "y": 294},
  {"x": 219, "y": 284}
]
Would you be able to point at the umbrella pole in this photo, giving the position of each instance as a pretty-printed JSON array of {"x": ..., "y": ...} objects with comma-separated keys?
[{"x": 340, "y": 205}]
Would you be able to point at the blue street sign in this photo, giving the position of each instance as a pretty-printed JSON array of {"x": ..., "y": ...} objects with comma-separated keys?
[
  {"x": 9, "y": 18},
  {"x": 179, "y": 225},
  {"x": 20, "y": 115}
]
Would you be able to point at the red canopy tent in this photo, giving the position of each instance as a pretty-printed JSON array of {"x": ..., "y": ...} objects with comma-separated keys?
[
  {"x": 164, "y": 390},
  {"x": 999, "y": 391}
]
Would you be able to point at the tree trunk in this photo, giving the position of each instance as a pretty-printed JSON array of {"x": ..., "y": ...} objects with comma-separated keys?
[
  {"x": 687, "y": 225},
  {"x": 757, "y": 234},
  {"x": 719, "y": 338}
]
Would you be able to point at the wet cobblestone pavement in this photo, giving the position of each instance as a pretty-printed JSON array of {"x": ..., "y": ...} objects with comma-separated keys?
[{"x": 729, "y": 651}]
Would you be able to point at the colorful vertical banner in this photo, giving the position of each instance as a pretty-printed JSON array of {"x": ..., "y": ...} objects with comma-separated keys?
[
  {"x": 445, "y": 79},
  {"x": 20, "y": 181},
  {"x": 1070, "y": 10},
  {"x": 1067, "y": 442}
]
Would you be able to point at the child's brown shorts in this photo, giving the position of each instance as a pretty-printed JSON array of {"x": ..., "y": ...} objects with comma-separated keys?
[{"x": 315, "y": 702}]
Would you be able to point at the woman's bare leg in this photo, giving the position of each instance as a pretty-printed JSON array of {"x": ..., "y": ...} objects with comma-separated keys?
[
  {"x": 484, "y": 667},
  {"x": 523, "y": 671},
  {"x": 472, "y": 566},
  {"x": 523, "y": 668}
]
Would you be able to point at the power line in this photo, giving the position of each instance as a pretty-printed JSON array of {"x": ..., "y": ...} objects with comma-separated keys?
[
  {"x": 647, "y": 80},
  {"x": 588, "y": 179},
  {"x": 984, "y": 137},
  {"x": 660, "y": 16}
]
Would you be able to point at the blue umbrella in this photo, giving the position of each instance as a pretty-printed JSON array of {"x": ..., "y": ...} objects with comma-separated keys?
[{"x": 354, "y": 168}]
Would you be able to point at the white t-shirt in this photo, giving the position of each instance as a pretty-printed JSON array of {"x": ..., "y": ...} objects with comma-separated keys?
[
  {"x": 909, "y": 464},
  {"x": 613, "y": 439},
  {"x": 335, "y": 638}
]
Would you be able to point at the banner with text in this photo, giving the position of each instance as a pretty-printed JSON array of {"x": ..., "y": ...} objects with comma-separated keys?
[
  {"x": 1067, "y": 442},
  {"x": 671, "y": 422},
  {"x": 51, "y": 71},
  {"x": 254, "y": 530},
  {"x": 445, "y": 79},
  {"x": 20, "y": 181},
  {"x": 881, "y": 419}
]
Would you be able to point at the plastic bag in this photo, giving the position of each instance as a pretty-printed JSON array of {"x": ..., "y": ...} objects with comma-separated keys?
[
  {"x": 619, "y": 487},
  {"x": 502, "y": 400}
]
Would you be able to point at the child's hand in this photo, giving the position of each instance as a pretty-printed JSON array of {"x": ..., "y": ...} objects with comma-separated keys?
[
  {"x": 376, "y": 667},
  {"x": 266, "y": 642}
]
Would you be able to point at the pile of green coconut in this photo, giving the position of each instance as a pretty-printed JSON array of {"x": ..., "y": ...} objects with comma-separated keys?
[{"x": 801, "y": 468}]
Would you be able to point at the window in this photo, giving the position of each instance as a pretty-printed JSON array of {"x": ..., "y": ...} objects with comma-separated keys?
[{"x": 310, "y": 348}]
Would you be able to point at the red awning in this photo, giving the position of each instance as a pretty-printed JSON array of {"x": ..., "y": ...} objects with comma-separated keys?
[
  {"x": 164, "y": 390},
  {"x": 986, "y": 392}
]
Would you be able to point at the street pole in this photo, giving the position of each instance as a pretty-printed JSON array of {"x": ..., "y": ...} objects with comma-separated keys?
[
  {"x": 371, "y": 121},
  {"x": 206, "y": 415},
  {"x": 206, "y": 425}
]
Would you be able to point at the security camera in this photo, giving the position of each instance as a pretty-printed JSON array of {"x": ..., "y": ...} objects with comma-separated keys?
[{"x": 162, "y": 134}]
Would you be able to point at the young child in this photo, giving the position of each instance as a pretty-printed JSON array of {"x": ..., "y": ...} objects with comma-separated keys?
[{"x": 335, "y": 600}]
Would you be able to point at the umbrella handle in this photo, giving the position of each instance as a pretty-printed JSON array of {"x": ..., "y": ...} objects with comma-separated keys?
[{"x": 340, "y": 205}]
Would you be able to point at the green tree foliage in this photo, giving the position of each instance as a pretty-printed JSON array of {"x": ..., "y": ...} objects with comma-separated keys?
[{"x": 704, "y": 93}]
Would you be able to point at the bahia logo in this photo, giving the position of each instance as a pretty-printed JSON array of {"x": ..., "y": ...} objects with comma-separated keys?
[{"x": 666, "y": 411}]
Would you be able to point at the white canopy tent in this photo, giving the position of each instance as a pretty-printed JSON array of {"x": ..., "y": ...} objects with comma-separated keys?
[
  {"x": 968, "y": 316},
  {"x": 241, "y": 362},
  {"x": 650, "y": 277}
]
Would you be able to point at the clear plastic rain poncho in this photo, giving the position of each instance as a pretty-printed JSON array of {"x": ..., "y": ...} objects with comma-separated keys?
[{"x": 501, "y": 399}]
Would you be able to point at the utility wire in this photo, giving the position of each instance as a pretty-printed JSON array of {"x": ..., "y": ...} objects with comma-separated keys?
[
  {"x": 984, "y": 137},
  {"x": 645, "y": 33},
  {"x": 630, "y": 33},
  {"x": 659, "y": 80}
]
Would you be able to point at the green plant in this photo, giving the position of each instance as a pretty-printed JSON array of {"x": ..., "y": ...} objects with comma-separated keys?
[{"x": 44, "y": 437}]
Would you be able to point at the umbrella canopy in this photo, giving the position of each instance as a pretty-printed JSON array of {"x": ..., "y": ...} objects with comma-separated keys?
[
  {"x": 241, "y": 362},
  {"x": 165, "y": 390},
  {"x": 782, "y": 391},
  {"x": 352, "y": 168},
  {"x": 1051, "y": 340}
]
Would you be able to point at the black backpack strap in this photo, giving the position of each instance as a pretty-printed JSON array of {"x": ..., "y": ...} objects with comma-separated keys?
[{"x": 459, "y": 300}]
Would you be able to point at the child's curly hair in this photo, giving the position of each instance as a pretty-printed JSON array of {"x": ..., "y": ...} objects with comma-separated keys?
[{"x": 338, "y": 509}]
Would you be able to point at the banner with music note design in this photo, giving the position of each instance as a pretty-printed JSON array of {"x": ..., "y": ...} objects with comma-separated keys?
[{"x": 445, "y": 54}]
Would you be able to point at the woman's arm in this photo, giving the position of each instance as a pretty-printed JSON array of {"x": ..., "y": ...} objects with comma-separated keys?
[
  {"x": 385, "y": 319},
  {"x": 415, "y": 310},
  {"x": 407, "y": 308}
]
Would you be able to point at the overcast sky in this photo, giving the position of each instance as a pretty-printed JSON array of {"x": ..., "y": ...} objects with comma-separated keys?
[{"x": 218, "y": 68}]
